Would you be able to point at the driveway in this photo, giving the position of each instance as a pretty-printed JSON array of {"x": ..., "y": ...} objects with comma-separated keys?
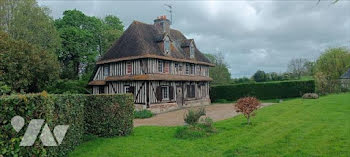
[{"x": 175, "y": 118}]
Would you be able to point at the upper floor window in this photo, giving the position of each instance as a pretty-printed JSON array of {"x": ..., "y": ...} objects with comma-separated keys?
[
  {"x": 166, "y": 67},
  {"x": 128, "y": 68},
  {"x": 166, "y": 45},
  {"x": 160, "y": 66},
  {"x": 192, "y": 69},
  {"x": 187, "y": 68},
  {"x": 192, "y": 50},
  {"x": 106, "y": 70}
]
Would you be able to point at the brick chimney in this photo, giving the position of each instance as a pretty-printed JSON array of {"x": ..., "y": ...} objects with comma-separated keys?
[{"x": 162, "y": 24}]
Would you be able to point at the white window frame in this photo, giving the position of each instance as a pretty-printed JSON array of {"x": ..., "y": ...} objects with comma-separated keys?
[
  {"x": 126, "y": 88},
  {"x": 167, "y": 45},
  {"x": 188, "y": 68},
  {"x": 160, "y": 66},
  {"x": 165, "y": 92}
]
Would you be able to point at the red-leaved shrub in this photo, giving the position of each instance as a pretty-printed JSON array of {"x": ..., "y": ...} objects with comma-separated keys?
[{"x": 247, "y": 106}]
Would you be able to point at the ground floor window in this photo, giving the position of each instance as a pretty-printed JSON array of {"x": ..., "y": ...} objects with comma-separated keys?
[
  {"x": 129, "y": 89},
  {"x": 101, "y": 89},
  {"x": 191, "y": 91},
  {"x": 165, "y": 93}
]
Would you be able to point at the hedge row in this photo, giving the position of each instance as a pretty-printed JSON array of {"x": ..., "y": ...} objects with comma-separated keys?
[
  {"x": 268, "y": 90},
  {"x": 111, "y": 114}
]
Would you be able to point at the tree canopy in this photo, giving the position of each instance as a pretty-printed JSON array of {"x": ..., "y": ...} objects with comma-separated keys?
[
  {"x": 84, "y": 38},
  {"x": 220, "y": 73}
]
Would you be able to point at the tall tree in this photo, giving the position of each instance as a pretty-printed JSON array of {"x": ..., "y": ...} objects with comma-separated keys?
[
  {"x": 26, "y": 67},
  {"x": 26, "y": 20},
  {"x": 84, "y": 38},
  {"x": 297, "y": 67},
  {"x": 259, "y": 76},
  {"x": 220, "y": 72},
  {"x": 329, "y": 67}
]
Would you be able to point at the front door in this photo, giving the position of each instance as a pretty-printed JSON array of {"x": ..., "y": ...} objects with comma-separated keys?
[{"x": 179, "y": 96}]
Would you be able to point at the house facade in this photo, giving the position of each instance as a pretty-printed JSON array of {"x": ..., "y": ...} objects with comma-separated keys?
[{"x": 159, "y": 65}]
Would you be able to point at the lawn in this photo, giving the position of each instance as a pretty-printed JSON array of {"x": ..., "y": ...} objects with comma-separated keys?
[{"x": 293, "y": 128}]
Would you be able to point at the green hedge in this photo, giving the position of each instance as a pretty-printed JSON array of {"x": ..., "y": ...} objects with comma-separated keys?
[
  {"x": 267, "y": 90},
  {"x": 109, "y": 116},
  {"x": 69, "y": 110}
]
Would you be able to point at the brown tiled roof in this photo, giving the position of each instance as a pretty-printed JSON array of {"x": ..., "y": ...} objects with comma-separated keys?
[
  {"x": 142, "y": 40},
  {"x": 156, "y": 77}
]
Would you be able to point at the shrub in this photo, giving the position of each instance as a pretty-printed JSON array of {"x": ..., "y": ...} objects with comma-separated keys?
[
  {"x": 192, "y": 116},
  {"x": 266, "y": 90},
  {"x": 143, "y": 114},
  {"x": 247, "y": 106},
  {"x": 62, "y": 110},
  {"x": 198, "y": 130},
  {"x": 108, "y": 115}
]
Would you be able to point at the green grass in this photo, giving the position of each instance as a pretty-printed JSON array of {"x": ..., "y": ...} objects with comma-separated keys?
[
  {"x": 224, "y": 101},
  {"x": 299, "y": 127}
]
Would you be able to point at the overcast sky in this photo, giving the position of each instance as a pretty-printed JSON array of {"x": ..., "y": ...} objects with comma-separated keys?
[{"x": 251, "y": 35}]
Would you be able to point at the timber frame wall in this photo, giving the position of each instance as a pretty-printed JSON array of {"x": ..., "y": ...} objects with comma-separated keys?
[{"x": 145, "y": 91}]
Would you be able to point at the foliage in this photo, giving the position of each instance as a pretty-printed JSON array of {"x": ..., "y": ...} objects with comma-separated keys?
[
  {"x": 328, "y": 69},
  {"x": 260, "y": 76},
  {"x": 299, "y": 67},
  {"x": 25, "y": 67},
  {"x": 58, "y": 110},
  {"x": 4, "y": 89},
  {"x": 83, "y": 39},
  {"x": 247, "y": 106},
  {"x": 242, "y": 80},
  {"x": 69, "y": 87},
  {"x": 192, "y": 116},
  {"x": 109, "y": 115},
  {"x": 26, "y": 20},
  {"x": 198, "y": 130},
  {"x": 220, "y": 73},
  {"x": 266, "y": 90},
  {"x": 299, "y": 127},
  {"x": 143, "y": 114}
]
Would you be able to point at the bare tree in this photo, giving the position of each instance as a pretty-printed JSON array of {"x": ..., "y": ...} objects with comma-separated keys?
[{"x": 297, "y": 67}]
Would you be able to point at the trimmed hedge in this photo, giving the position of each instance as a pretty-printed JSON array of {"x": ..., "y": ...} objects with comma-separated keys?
[
  {"x": 108, "y": 116},
  {"x": 267, "y": 90},
  {"x": 69, "y": 110}
]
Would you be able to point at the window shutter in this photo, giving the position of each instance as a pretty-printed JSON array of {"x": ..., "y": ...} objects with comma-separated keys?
[
  {"x": 171, "y": 92},
  {"x": 132, "y": 90},
  {"x": 159, "y": 93}
]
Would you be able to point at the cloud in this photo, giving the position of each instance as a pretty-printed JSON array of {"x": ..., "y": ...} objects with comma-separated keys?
[{"x": 252, "y": 35}]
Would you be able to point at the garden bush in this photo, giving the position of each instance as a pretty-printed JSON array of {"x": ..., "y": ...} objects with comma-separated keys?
[
  {"x": 266, "y": 90},
  {"x": 59, "y": 110},
  {"x": 107, "y": 115},
  {"x": 192, "y": 116},
  {"x": 143, "y": 114},
  {"x": 198, "y": 130}
]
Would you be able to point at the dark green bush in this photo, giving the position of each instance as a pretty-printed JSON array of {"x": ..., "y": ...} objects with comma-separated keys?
[
  {"x": 107, "y": 115},
  {"x": 143, "y": 114},
  {"x": 60, "y": 110},
  {"x": 267, "y": 90}
]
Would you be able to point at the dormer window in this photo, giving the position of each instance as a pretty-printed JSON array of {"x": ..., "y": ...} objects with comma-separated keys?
[
  {"x": 166, "y": 45},
  {"x": 192, "y": 49}
]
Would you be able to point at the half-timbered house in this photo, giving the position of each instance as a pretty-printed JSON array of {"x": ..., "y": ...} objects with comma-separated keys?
[{"x": 159, "y": 65}]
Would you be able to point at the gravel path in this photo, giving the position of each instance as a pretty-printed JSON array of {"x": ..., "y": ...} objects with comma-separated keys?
[{"x": 175, "y": 118}]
